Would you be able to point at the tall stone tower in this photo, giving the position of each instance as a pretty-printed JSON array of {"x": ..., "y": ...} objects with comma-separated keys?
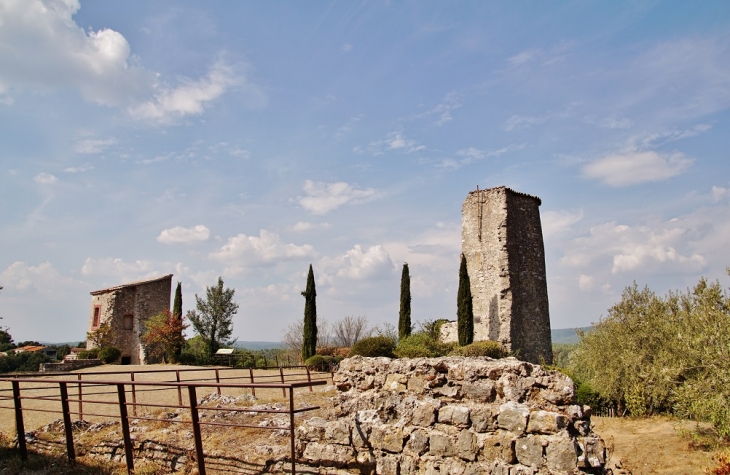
[{"x": 501, "y": 238}]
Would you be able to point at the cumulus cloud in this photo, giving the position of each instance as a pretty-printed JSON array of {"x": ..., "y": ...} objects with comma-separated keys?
[
  {"x": 89, "y": 146},
  {"x": 325, "y": 197},
  {"x": 45, "y": 178},
  {"x": 265, "y": 248},
  {"x": 79, "y": 169},
  {"x": 181, "y": 235},
  {"x": 358, "y": 264},
  {"x": 628, "y": 249},
  {"x": 118, "y": 269},
  {"x": 585, "y": 282},
  {"x": 633, "y": 167},
  {"x": 43, "y": 278},
  {"x": 42, "y": 47}
]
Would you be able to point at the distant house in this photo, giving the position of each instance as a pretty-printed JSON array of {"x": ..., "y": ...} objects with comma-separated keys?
[
  {"x": 49, "y": 352},
  {"x": 126, "y": 308},
  {"x": 74, "y": 354}
]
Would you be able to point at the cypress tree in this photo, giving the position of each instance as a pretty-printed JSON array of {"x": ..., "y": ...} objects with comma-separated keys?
[
  {"x": 404, "y": 317},
  {"x": 309, "y": 337},
  {"x": 464, "y": 311},
  {"x": 177, "y": 314}
]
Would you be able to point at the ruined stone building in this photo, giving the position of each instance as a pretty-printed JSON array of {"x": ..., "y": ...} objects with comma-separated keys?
[
  {"x": 127, "y": 307},
  {"x": 501, "y": 239}
]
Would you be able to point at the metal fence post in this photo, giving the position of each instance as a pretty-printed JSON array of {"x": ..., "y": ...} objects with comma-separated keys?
[
  {"x": 179, "y": 388},
  {"x": 19, "y": 427},
  {"x": 218, "y": 380},
  {"x": 250, "y": 375},
  {"x": 134, "y": 394},
  {"x": 196, "y": 429},
  {"x": 291, "y": 431},
  {"x": 128, "y": 449},
  {"x": 67, "y": 427},
  {"x": 81, "y": 404},
  {"x": 281, "y": 373},
  {"x": 309, "y": 378}
]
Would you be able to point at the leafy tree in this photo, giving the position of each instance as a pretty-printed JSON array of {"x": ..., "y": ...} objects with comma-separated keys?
[
  {"x": 101, "y": 337},
  {"x": 404, "y": 316},
  {"x": 213, "y": 317},
  {"x": 6, "y": 340},
  {"x": 309, "y": 335},
  {"x": 163, "y": 337},
  {"x": 177, "y": 313},
  {"x": 464, "y": 311}
]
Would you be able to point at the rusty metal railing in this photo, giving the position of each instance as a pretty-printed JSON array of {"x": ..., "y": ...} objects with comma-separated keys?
[{"x": 120, "y": 388}]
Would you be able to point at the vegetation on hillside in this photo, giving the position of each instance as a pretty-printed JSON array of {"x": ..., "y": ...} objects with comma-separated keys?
[{"x": 661, "y": 354}]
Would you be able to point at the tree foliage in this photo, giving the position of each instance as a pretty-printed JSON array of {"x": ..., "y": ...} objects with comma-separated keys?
[
  {"x": 101, "y": 337},
  {"x": 213, "y": 317},
  {"x": 404, "y": 316},
  {"x": 655, "y": 354},
  {"x": 464, "y": 311},
  {"x": 163, "y": 337},
  {"x": 309, "y": 330}
]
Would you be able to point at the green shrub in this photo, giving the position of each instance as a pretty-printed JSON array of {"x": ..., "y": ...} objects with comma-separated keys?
[
  {"x": 109, "y": 354},
  {"x": 492, "y": 349},
  {"x": 374, "y": 346},
  {"x": 422, "y": 345},
  {"x": 320, "y": 362},
  {"x": 91, "y": 354}
]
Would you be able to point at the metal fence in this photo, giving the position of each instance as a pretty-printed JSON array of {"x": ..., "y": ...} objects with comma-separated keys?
[{"x": 99, "y": 393}]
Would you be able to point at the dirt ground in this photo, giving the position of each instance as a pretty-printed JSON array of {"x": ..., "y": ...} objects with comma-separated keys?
[{"x": 654, "y": 445}]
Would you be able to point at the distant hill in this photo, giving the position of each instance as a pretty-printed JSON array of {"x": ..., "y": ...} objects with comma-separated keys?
[
  {"x": 259, "y": 345},
  {"x": 566, "y": 335}
]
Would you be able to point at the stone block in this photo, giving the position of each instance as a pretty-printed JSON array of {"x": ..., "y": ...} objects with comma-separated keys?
[
  {"x": 424, "y": 415},
  {"x": 337, "y": 432},
  {"x": 387, "y": 437},
  {"x": 328, "y": 455},
  {"x": 468, "y": 445},
  {"x": 441, "y": 445},
  {"x": 513, "y": 417},
  {"x": 561, "y": 454},
  {"x": 545, "y": 422},
  {"x": 418, "y": 441},
  {"x": 454, "y": 415},
  {"x": 593, "y": 452},
  {"x": 395, "y": 382},
  {"x": 312, "y": 429},
  {"x": 387, "y": 464},
  {"x": 529, "y": 450},
  {"x": 484, "y": 419},
  {"x": 498, "y": 445},
  {"x": 481, "y": 391}
]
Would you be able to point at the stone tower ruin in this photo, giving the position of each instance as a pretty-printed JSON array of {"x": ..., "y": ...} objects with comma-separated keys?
[{"x": 501, "y": 238}]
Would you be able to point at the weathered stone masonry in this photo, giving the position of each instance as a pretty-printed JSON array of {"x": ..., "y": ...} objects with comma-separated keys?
[
  {"x": 127, "y": 307},
  {"x": 502, "y": 242},
  {"x": 461, "y": 416}
]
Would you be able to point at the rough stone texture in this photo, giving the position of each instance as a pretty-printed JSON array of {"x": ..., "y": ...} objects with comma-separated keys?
[
  {"x": 502, "y": 241},
  {"x": 68, "y": 365},
  {"x": 141, "y": 300},
  {"x": 403, "y": 422}
]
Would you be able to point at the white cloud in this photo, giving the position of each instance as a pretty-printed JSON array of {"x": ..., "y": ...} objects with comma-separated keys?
[
  {"x": 632, "y": 167},
  {"x": 358, "y": 264},
  {"x": 45, "y": 178},
  {"x": 451, "y": 102},
  {"x": 265, "y": 248},
  {"x": 81, "y": 169},
  {"x": 42, "y": 47},
  {"x": 718, "y": 193},
  {"x": 586, "y": 282},
  {"x": 118, "y": 269},
  {"x": 189, "y": 98},
  {"x": 325, "y": 197},
  {"x": 558, "y": 222},
  {"x": 645, "y": 248},
  {"x": 302, "y": 226},
  {"x": 181, "y": 235},
  {"x": 94, "y": 145},
  {"x": 394, "y": 141},
  {"x": 523, "y": 57},
  {"x": 472, "y": 154},
  {"x": 43, "y": 278}
]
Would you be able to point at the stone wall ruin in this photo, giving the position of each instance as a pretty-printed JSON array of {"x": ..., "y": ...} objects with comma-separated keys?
[{"x": 451, "y": 415}]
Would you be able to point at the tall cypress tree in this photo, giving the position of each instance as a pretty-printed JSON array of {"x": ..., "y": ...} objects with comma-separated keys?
[
  {"x": 464, "y": 311},
  {"x": 309, "y": 337},
  {"x": 404, "y": 316},
  {"x": 177, "y": 314}
]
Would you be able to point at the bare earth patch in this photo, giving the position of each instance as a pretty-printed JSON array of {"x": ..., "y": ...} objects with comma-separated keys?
[{"x": 653, "y": 445}]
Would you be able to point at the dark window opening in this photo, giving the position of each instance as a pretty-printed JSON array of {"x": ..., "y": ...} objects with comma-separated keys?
[
  {"x": 126, "y": 360},
  {"x": 128, "y": 322},
  {"x": 97, "y": 316}
]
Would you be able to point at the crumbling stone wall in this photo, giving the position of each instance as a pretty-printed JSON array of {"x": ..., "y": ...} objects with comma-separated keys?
[
  {"x": 451, "y": 416},
  {"x": 141, "y": 300},
  {"x": 502, "y": 242}
]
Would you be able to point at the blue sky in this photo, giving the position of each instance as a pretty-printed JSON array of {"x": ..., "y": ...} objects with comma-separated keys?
[{"x": 250, "y": 139}]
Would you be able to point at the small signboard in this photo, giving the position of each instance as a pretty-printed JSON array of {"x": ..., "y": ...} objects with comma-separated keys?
[{"x": 224, "y": 351}]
